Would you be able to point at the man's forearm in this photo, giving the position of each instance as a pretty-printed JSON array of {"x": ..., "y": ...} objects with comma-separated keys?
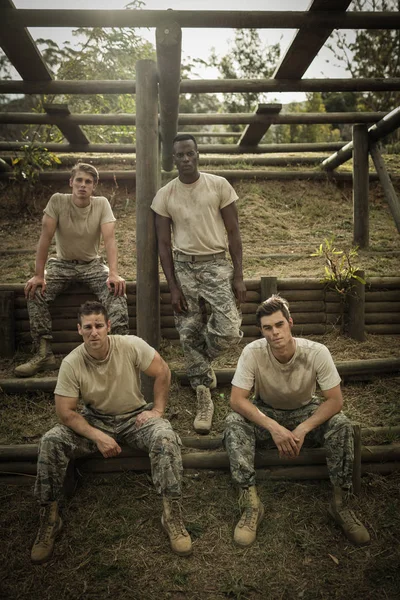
[
  {"x": 250, "y": 412},
  {"x": 161, "y": 388},
  {"x": 167, "y": 264},
  {"x": 325, "y": 411},
  {"x": 78, "y": 423},
  {"x": 112, "y": 256},
  {"x": 41, "y": 256},
  {"x": 235, "y": 250}
]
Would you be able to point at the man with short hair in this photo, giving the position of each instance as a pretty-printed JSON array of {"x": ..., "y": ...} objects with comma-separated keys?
[
  {"x": 283, "y": 371},
  {"x": 201, "y": 210},
  {"x": 77, "y": 221},
  {"x": 105, "y": 372}
]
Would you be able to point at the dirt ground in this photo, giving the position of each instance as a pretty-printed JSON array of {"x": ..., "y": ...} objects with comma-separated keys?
[{"x": 113, "y": 545}]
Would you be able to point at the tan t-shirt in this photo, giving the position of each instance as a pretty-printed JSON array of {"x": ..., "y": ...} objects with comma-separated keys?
[
  {"x": 194, "y": 208},
  {"x": 110, "y": 386},
  {"x": 286, "y": 386},
  {"x": 78, "y": 229}
]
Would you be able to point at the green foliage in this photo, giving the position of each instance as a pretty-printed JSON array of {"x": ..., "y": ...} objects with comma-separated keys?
[
  {"x": 306, "y": 133},
  {"x": 235, "y": 587},
  {"x": 339, "y": 270},
  {"x": 370, "y": 53},
  {"x": 26, "y": 169}
]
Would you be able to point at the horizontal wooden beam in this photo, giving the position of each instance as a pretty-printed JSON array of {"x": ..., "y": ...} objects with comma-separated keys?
[
  {"x": 202, "y": 19},
  {"x": 254, "y": 132},
  {"x": 197, "y": 86}
]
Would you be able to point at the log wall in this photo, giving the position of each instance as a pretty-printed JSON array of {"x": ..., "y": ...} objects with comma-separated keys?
[{"x": 315, "y": 310}]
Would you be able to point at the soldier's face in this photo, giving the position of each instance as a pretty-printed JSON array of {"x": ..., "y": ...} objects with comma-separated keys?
[
  {"x": 82, "y": 185},
  {"x": 94, "y": 330},
  {"x": 277, "y": 330},
  {"x": 186, "y": 157}
]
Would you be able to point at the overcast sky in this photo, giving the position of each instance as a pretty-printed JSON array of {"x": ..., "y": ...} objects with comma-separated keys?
[{"x": 197, "y": 43}]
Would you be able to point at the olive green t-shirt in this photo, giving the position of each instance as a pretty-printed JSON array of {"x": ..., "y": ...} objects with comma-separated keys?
[
  {"x": 110, "y": 386},
  {"x": 195, "y": 211},
  {"x": 78, "y": 229},
  {"x": 286, "y": 385}
]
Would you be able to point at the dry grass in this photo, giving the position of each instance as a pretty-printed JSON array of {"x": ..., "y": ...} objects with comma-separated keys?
[{"x": 113, "y": 545}]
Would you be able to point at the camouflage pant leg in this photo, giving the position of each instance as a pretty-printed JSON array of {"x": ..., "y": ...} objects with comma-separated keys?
[
  {"x": 57, "y": 447},
  {"x": 157, "y": 437},
  {"x": 203, "y": 340},
  {"x": 95, "y": 274},
  {"x": 58, "y": 277},
  {"x": 240, "y": 441}
]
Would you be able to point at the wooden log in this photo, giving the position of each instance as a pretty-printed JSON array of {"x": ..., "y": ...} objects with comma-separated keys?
[
  {"x": 147, "y": 184},
  {"x": 356, "y": 308},
  {"x": 251, "y": 296},
  {"x": 168, "y": 47},
  {"x": 382, "y": 318},
  {"x": 71, "y": 131},
  {"x": 379, "y": 329},
  {"x": 360, "y": 186},
  {"x": 356, "y": 478},
  {"x": 18, "y": 468},
  {"x": 390, "y": 193},
  {"x": 22, "y": 325},
  {"x": 381, "y": 307},
  {"x": 268, "y": 287},
  {"x": 383, "y": 282},
  {"x": 380, "y": 468},
  {"x": 7, "y": 324},
  {"x": 254, "y": 132}
]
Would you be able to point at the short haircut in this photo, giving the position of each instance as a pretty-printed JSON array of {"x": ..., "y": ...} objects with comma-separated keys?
[
  {"x": 92, "y": 307},
  {"x": 271, "y": 306},
  {"x": 87, "y": 169},
  {"x": 183, "y": 137}
]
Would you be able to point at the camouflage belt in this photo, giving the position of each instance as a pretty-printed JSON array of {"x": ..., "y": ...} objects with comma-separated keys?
[{"x": 180, "y": 257}]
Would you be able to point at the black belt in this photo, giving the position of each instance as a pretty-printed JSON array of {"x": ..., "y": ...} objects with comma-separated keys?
[
  {"x": 181, "y": 257},
  {"x": 78, "y": 262}
]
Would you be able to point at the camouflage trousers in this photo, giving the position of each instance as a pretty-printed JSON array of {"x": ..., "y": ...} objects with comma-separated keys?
[
  {"x": 156, "y": 436},
  {"x": 335, "y": 435},
  {"x": 204, "y": 339},
  {"x": 59, "y": 275}
]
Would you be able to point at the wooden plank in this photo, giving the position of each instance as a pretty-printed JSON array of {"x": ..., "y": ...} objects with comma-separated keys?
[
  {"x": 7, "y": 324},
  {"x": 307, "y": 42},
  {"x": 71, "y": 131},
  {"x": 360, "y": 186},
  {"x": 19, "y": 47},
  {"x": 254, "y": 132},
  {"x": 390, "y": 193},
  {"x": 168, "y": 48},
  {"x": 356, "y": 309}
]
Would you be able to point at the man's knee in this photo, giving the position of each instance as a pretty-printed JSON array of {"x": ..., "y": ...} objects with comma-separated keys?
[
  {"x": 55, "y": 439},
  {"x": 339, "y": 423}
]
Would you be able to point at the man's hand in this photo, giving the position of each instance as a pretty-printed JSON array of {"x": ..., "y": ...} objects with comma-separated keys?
[
  {"x": 33, "y": 283},
  {"x": 107, "y": 445},
  {"x": 286, "y": 441},
  {"x": 300, "y": 433},
  {"x": 240, "y": 290},
  {"x": 117, "y": 284},
  {"x": 146, "y": 415},
  {"x": 178, "y": 300}
]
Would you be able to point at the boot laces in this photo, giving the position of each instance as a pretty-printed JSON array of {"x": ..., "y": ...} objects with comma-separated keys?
[
  {"x": 46, "y": 528},
  {"x": 250, "y": 513},
  {"x": 175, "y": 521},
  {"x": 204, "y": 405},
  {"x": 349, "y": 518}
]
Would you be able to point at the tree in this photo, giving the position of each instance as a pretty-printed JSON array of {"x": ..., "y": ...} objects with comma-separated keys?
[
  {"x": 248, "y": 59},
  {"x": 372, "y": 54}
]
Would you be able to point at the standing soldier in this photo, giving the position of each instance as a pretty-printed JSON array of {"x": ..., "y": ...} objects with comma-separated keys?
[
  {"x": 200, "y": 208},
  {"x": 77, "y": 220}
]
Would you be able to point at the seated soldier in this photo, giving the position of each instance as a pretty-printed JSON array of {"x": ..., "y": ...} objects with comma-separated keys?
[
  {"x": 77, "y": 220},
  {"x": 284, "y": 371},
  {"x": 105, "y": 372}
]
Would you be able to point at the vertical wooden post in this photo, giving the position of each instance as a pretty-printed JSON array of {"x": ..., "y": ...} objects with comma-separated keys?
[
  {"x": 147, "y": 178},
  {"x": 360, "y": 186},
  {"x": 390, "y": 193},
  {"x": 356, "y": 309},
  {"x": 357, "y": 459},
  {"x": 269, "y": 286},
  {"x": 7, "y": 324}
]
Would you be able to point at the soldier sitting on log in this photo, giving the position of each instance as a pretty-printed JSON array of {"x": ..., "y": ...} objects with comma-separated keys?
[
  {"x": 201, "y": 209},
  {"x": 77, "y": 220},
  {"x": 105, "y": 372},
  {"x": 284, "y": 371}
]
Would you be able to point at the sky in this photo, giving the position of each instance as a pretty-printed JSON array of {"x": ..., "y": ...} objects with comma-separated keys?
[{"x": 197, "y": 43}]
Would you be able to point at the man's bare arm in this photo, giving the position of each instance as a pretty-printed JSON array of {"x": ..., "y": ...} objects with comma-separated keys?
[
  {"x": 49, "y": 226},
  {"x": 66, "y": 409},
  {"x": 231, "y": 222},
  {"x": 159, "y": 370}
]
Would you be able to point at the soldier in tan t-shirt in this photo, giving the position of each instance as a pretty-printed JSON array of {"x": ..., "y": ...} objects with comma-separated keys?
[
  {"x": 200, "y": 208},
  {"x": 284, "y": 372},
  {"x": 104, "y": 372},
  {"x": 77, "y": 221}
]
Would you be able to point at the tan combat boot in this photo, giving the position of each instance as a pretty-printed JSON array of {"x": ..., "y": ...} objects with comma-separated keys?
[
  {"x": 173, "y": 524},
  {"x": 44, "y": 360},
  {"x": 253, "y": 514},
  {"x": 352, "y": 528},
  {"x": 205, "y": 410},
  {"x": 50, "y": 527}
]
